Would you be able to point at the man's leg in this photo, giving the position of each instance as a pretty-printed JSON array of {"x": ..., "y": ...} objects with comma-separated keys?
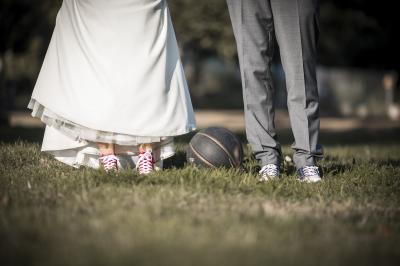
[
  {"x": 253, "y": 27},
  {"x": 296, "y": 30}
]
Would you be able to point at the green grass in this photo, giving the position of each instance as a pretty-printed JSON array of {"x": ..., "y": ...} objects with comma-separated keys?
[{"x": 51, "y": 214}]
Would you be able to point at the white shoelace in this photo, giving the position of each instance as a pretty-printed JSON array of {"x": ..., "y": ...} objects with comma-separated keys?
[
  {"x": 309, "y": 173},
  {"x": 269, "y": 171},
  {"x": 109, "y": 162},
  {"x": 145, "y": 164},
  {"x": 310, "y": 170}
]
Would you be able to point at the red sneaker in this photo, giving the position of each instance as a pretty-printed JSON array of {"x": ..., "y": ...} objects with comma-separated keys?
[
  {"x": 109, "y": 162},
  {"x": 146, "y": 162}
]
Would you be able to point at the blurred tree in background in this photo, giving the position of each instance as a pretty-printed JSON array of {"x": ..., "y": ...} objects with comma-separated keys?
[
  {"x": 353, "y": 33},
  {"x": 359, "y": 33},
  {"x": 203, "y": 27},
  {"x": 25, "y": 28}
]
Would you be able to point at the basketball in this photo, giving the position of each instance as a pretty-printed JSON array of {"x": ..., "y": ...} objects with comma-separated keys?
[{"x": 215, "y": 147}]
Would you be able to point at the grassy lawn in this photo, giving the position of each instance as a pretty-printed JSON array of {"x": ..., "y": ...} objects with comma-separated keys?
[{"x": 51, "y": 214}]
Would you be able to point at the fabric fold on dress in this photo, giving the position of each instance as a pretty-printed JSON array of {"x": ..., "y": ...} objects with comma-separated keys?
[{"x": 112, "y": 74}]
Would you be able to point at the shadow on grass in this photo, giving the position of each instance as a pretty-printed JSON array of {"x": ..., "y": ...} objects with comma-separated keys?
[
  {"x": 328, "y": 138},
  {"x": 14, "y": 134},
  {"x": 177, "y": 161},
  {"x": 389, "y": 162},
  {"x": 336, "y": 168}
]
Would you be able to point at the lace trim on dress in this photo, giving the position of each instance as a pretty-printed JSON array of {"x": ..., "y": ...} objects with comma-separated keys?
[{"x": 81, "y": 133}]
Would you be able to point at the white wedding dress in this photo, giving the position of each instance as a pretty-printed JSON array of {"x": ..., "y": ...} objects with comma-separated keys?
[{"x": 113, "y": 74}]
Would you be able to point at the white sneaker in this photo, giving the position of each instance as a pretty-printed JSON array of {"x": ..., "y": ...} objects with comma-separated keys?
[
  {"x": 269, "y": 172},
  {"x": 145, "y": 164},
  {"x": 309, "y": 174}
]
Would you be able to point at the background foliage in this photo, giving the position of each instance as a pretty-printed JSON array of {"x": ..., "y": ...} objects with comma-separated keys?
[{"x": 354, "y": 33}]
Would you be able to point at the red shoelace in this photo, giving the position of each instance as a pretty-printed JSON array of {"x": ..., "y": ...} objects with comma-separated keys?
[
  {"x": 145, "y": 164},
  {"x": 109, "y": 162}
]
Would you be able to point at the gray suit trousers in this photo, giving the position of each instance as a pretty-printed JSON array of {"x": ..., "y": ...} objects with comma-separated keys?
[{"x": 294, "y": 24}]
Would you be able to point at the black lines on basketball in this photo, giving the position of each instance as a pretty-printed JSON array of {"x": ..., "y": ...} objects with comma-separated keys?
[
  {"x": 215, "y": 147},
  {"x": 231, "y": 160},
  {"x": 199, "y": 157}
]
